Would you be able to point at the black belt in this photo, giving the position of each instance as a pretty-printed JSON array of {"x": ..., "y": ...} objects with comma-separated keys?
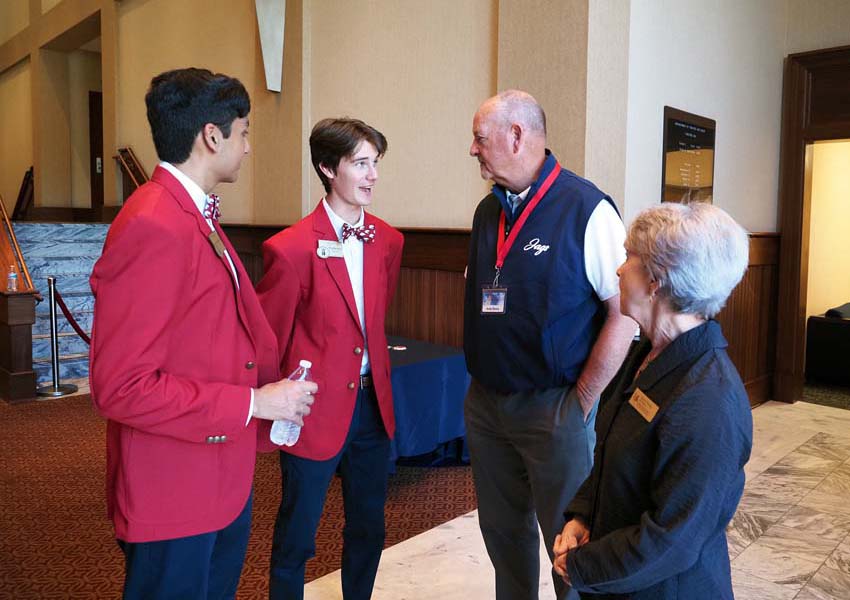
[{"x": 365, "y": 381}]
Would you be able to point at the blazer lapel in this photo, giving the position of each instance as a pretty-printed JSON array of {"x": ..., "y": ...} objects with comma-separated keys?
[
  {"x": 242, "y": 275},
  {"x": 336, "y": 266},
  {"x": 181, "y": 196}
]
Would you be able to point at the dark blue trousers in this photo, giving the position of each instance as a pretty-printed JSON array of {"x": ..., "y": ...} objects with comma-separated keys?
[
  {"x": 198, "y": 567},
  {"x": 363, "y": 466}
]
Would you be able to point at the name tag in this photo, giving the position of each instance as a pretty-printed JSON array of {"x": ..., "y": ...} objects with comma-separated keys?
[
  {"x": 216, "y": 242},
  {"x": 641, "y": 403},
  {"x": 329, "y": 249}
]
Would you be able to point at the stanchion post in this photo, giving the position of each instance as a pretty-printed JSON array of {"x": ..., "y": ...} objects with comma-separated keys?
[{"x": 55, "y": 390}]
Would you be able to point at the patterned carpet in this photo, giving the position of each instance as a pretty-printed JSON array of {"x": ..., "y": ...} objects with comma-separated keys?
[
  {"x": 827, "y": 395},
  {"x": 55, "y": 541}
]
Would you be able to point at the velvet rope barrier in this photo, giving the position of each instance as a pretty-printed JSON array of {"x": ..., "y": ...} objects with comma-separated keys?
[{"x": 71, "y": 319}]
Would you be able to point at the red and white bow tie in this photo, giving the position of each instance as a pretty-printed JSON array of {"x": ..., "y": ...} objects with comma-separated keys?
[
  {"x": 364, "y": 233},
  {"x": 212, "y": 208}
]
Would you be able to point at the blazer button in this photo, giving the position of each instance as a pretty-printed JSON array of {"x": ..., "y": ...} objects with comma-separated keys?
[
  {"x": 209, "y": 439},
  {"x": 358, "y": 350},
  {"x": 249, "y": 364},
  {"x": 223, "y": 438},
  {"x": 351, "y": 385}
]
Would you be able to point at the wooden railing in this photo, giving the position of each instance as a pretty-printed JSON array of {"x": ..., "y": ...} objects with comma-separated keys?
[
  {"x": 134, "y": 174},
  {"x": 10, "y": 254},
  {"x": 25, "y": 197}
]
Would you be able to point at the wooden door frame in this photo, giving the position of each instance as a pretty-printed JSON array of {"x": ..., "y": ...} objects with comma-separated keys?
[{"x": 811, "y": 111}]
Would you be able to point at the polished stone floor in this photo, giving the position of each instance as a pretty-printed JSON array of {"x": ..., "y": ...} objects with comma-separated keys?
[{"x": 789, "y": 539}]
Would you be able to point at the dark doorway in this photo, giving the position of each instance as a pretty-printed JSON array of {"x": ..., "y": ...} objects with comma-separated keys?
[
  {"x": 96, "y": 152},
  {"x": 815, "y": 106}
]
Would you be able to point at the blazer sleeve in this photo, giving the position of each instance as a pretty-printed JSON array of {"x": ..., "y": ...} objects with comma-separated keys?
[
  {"x": 139, "y": 284},
  {"x": 696, "y": 466},
  {"x": 279, "y": 292}
]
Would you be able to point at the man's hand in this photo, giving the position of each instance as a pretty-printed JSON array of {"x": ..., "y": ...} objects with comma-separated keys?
[
  {"x": 284, "y": 399},
  {"x": 574, "y": 534}
]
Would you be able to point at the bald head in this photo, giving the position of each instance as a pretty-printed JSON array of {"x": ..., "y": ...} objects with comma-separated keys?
[
  {"x": 509, "y": 139},
  {"x": 516, "y": 106}
]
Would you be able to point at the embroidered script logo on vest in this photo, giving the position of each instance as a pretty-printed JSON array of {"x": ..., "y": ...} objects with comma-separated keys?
[{"x": 536, "y": 246}]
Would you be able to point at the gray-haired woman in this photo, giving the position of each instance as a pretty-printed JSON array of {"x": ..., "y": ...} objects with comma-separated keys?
[{"x": 675, "y": 429}]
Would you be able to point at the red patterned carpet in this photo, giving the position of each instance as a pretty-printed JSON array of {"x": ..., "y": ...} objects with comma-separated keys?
[{"x": 55, "y": 541}]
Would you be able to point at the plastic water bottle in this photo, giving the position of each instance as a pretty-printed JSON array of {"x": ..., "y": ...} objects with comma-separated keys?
[
  {"x": 286, "y": 432},
  {"x": 12, "y": 280}
]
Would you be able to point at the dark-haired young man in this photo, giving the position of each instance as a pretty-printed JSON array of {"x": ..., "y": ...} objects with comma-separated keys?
[
  {"x": 181, "y": 352},
  {"x": 329, "y": 280}
]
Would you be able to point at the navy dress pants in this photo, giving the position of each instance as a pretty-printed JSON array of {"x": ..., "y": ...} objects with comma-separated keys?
[
  {"x": 198, "y": 567},
  {"x": 363, "y": 464}
]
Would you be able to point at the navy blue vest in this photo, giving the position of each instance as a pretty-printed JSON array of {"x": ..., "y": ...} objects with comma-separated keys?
[{"x": 553, "y": 315}]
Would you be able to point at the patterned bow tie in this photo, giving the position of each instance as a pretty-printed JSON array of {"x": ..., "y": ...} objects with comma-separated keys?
[
  {"x": 364, "y": 233},
  {"x": 212, "y": 208}
]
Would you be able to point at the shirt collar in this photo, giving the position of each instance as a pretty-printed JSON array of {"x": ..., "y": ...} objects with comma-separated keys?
[
  {"x": 502, "y": 194},
  {"x": 193, "y": 189},
  {"x": 687, "y": 347},
  {"x": 337, "y": 222}
]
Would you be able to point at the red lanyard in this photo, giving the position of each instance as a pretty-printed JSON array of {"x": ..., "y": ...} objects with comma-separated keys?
[{"x": 503, "y": 245}]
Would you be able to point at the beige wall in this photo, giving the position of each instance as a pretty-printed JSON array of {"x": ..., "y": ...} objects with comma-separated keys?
[
  {"x": 417, "y": 71},
  {"x": 276, "y": 134},
  {"x": 817, "y": 24},
  {"x": 16, "y": 126},
  {"x": 543, "y": 50},
  {"x": 607, "y": 96},
  {"x": 14, "y": 18},
  {"x": 46, "y": 5},
  {"x": 829, "y": 242},
  {"x": 54, "y": 129},
  {"x": 84, "y": 76},
  {"x": 158, "y": 35}
]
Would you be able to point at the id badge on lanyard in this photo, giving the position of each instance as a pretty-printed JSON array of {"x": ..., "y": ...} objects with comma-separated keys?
[{"x": 494, "y": 298}]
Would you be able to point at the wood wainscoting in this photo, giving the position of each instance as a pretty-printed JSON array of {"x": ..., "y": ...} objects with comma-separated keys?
[{"x": 428, "y": 304}]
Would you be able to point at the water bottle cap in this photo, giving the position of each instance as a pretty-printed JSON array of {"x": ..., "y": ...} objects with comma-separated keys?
[{"x": 306, "y": 364}]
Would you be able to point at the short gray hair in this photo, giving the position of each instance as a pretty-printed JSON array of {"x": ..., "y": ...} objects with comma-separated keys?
[
  {"x": 516, "y": 106},
  {"x": 696, "y": 252}
]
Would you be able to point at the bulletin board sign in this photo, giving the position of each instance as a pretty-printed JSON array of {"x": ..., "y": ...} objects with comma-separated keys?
[{"x": 687, "y": 164}]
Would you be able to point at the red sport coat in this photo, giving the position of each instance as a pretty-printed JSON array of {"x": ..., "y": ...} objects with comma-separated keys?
[
  {"x": 310, "y": 305},
  {"x": 175, "y": 350}
]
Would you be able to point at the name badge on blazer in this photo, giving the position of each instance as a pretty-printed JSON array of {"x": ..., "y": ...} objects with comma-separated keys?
[
  {"x": 216, "y": 242},
  {"x": 329, "y": 249},
  {"x": 641, "y": 403}
]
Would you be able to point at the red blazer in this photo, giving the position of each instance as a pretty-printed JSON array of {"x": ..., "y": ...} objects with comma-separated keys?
[
  {"x": 175, "y": 350},
  {"x": 310, "y": 305}
]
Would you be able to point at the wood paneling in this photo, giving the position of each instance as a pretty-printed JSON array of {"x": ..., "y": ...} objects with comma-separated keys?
[
  {"x": 749, "y": 316},
  {"x": 428, "y": 304}
]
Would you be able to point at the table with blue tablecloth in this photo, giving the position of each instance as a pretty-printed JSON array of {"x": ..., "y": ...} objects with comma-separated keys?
[{"x": 429, "y": 384}]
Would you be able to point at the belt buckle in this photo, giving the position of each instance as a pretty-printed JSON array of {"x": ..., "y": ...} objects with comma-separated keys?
[{"x": 366, "y": 381}]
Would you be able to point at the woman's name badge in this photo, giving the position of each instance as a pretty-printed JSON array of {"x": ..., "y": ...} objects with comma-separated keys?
[
  {"x": 494, "y": 300},
  {"x": 641, "y": 403},
  {"x": 329, "y": 249}
]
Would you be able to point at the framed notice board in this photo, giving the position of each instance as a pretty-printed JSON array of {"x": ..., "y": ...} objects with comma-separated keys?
[{"x": 687, "y": 163}]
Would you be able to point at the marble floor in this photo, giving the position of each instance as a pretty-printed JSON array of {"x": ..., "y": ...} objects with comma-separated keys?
[{"x": 789, "y": 539}]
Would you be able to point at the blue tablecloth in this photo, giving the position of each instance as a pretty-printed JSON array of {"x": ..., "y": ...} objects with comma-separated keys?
[{"x": 429, "y": 384}]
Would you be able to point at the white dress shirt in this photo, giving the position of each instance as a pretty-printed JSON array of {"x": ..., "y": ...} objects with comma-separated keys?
[{"x": 352, "y": 251}]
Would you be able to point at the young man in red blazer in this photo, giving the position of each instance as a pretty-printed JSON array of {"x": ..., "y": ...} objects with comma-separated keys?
[
  {"x": 180, "y": 352},
  {"x": 329, "y": 280}
]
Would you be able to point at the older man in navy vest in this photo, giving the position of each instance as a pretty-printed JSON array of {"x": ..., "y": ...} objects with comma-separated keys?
[{"x": 543, "y": 335}]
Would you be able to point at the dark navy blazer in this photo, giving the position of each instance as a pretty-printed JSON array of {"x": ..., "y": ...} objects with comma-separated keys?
[{"x": 662, "y": 491}]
